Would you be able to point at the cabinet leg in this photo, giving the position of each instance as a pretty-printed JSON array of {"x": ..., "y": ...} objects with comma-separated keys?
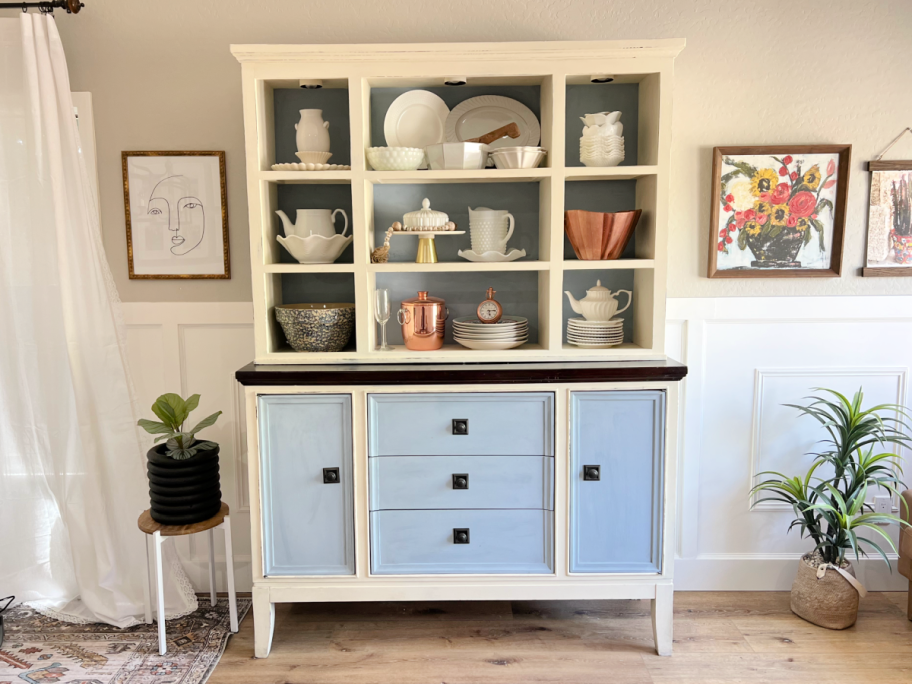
[
  {"x": 663, "y": 618},
  {"x": 263, "y": 622}
]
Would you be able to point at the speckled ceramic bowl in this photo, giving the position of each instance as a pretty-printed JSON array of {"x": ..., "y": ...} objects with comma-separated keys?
[{"x": 316, "y": 327}]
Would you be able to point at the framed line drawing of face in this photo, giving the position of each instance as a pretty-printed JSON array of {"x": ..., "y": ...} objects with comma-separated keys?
[{"x": 176, "y": 215}]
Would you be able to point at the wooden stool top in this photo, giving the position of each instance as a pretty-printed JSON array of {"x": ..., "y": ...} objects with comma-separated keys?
[{"x": 149, "y": 526}]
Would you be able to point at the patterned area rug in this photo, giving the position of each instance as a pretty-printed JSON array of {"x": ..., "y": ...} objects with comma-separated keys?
[{"x": 39, "y": 649}]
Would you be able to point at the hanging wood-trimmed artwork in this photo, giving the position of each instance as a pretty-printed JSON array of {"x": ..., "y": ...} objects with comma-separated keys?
[
  {"x": 890, "y": 217},
  {"x": 778, "y": 211}
]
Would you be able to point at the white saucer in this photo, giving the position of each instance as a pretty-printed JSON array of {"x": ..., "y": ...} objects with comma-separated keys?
[
  {"x": 311, "y": 167},
  {"x": 512, "y": 255}
]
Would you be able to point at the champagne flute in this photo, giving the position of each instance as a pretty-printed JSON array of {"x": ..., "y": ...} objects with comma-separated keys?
[{"x": 382, "y": 315}]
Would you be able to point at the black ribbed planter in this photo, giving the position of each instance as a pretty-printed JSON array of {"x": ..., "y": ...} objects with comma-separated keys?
[{"x": 183, "y": 492}]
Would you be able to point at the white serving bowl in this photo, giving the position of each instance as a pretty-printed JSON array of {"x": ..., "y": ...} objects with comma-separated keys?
[
  {"x": 315, "y": 249},
  {"x": 395, "y": 158},
  {"x": 313, "y": 157},
  {"x": 457, "y": 155},
  {"x": 517, "y": 157}
]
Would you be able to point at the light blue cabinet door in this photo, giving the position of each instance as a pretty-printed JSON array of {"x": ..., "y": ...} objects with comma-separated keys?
[
  {"x": 307, "y": 523},
  {"x": 422, "y": 542},
  {"x": 497, "y": 423},
  {"x": 616, "y": 521},
  {"x": 417, "y": 482}
]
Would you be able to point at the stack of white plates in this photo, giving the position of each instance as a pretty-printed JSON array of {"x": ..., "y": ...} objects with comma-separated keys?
[
  {"x": 507, "y": 333},
  {"x": 595, "y": 334},
  {"x": 601, "y": 150}
]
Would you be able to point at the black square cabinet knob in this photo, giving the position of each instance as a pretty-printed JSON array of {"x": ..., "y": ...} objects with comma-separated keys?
[
  {"x": 592, "y": 473},
  {"x": 331, "y": 476},
  {"x": 460, "y": 480},
  {"x": 460, "y": 426},
  {"x": 460, "y": 535}
]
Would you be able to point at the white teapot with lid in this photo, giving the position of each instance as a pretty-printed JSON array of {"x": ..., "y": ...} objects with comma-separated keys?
[{"x": 599, "y": 304}]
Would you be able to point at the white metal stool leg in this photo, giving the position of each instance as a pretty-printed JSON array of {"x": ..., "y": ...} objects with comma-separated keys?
[
  {"x": 162, "y": 642},
  {"x": 147, "y": 587},
  {"x": 229, "y": 565},
  {"x": 212, "y": 567}
]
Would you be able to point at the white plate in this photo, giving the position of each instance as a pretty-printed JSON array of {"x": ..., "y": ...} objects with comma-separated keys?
[
  {"x": 505, "y": 320},
  {"x": 513, "y": 255},
  {"x": 594, "y": 346},
  {"x": 479, "y": 115},
  {"x": 490, "y": 344},
  {"x": 585, "y": 323},
  {"x": 493, "y": 336},
  {"x": 415, "y": 119}
]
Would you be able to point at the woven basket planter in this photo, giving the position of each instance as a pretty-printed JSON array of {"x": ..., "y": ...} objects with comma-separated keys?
[{"x": 829, "y": 602}]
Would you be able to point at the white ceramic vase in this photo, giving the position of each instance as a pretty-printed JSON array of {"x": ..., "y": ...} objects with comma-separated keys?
[{"x": 312, "y": 131}]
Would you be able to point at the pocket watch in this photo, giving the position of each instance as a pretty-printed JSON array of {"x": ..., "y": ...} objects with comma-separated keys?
[{"x": 490, "y": 310}]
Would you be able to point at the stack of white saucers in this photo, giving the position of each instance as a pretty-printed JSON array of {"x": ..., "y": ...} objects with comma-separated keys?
[
  {"x": 595, "y": 334},
  {"x": 507, "y": 333},
  {"x": 601, "y": 150}
]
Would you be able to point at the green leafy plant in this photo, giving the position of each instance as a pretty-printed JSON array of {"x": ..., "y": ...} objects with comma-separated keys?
[
  {"x": 173, "y": 411},
  {"x": 832, "y": 509}
]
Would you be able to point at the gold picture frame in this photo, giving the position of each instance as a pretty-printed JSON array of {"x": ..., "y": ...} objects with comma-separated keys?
[{"x": 171, "y": 169}]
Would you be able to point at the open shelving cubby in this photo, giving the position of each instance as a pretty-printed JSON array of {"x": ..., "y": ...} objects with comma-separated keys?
[{"x": 553, "y": 80}]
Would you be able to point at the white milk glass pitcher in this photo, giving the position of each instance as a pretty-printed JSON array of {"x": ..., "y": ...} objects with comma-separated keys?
[
  {"x": 313, "y": 222},
  {"x": 490, "y": 229}
]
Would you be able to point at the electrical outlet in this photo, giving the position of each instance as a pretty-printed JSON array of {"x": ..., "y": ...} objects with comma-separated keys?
[{"x": 883, "y": 504}]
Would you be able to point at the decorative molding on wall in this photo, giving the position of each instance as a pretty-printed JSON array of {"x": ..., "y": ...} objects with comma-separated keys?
[
  {"x": 742, "y": 352},
  {"x": 817, "y": 377},
  {"x": 195, "y": 347}
]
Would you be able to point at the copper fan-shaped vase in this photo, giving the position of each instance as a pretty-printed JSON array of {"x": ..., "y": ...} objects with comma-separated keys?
[{"x": 597, "y": 235}]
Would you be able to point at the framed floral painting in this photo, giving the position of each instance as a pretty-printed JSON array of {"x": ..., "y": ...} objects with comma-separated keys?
[{"x": 778, "y": 211}]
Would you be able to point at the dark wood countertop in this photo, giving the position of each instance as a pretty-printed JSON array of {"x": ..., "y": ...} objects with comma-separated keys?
[{"x": 461, "y": 373}]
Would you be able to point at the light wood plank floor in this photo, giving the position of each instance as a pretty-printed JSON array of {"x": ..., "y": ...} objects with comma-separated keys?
[{"x": 720, "y": 637}]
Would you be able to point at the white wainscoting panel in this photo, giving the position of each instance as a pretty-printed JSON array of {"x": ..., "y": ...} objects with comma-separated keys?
[
  {"x": 195, "y": 348},
  {"x": 747, "y": 357}
]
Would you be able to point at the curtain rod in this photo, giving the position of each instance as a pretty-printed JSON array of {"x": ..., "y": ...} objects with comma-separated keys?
[{"x": 46, "y": 6}]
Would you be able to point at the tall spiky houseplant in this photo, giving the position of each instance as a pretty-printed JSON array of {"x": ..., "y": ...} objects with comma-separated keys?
[{"x": 830, "y": 501}]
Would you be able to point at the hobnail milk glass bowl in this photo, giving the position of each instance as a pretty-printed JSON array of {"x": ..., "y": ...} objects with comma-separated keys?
[{"x": 395, "y": 158}]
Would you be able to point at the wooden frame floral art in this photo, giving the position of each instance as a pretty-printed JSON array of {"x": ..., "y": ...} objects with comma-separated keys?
[{"x": 778, "y": 211}]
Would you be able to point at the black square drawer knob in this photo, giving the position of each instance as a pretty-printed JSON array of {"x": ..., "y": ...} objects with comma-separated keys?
[
  {"x": 592, "y": 473},
  {"x": 460, "y": 426},
  {"x": 460, "y": 535},
  {"x": 460, "y": 480},
  {"x": 331, "y": 476}
]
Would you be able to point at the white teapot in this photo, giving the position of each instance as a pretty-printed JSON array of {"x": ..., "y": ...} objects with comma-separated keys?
[{"x": 599, "y": 304}]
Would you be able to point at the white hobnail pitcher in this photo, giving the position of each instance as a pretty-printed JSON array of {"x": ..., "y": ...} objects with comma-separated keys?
[
  {"x": 312, "y": 132},
  {"x": 490, "y": 229}
]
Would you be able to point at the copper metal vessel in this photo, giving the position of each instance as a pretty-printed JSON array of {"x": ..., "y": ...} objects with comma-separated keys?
[
  {"x": 423, "y": 321},
  {"x": 597, "y": 235}
]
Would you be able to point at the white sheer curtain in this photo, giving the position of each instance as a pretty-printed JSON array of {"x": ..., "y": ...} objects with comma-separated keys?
[{"x": 71, "y": 467}]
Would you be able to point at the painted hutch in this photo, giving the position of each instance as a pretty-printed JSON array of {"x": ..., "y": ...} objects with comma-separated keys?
[{"x": 541, "y": 472}]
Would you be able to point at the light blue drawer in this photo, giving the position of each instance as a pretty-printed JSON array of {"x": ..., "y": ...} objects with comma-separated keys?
[
  {"x": 417, "y": 482},
  {"x": 616, "y": 521},
  {"x": 307, "y": 523},
  {"x": 421, "y": 542},
  {"x": 499, "y": 423}
]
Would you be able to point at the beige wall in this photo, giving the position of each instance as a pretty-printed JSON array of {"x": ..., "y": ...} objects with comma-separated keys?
[{"x": 753, "y": 73}]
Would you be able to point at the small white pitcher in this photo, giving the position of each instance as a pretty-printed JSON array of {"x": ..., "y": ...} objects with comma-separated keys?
[{"x": 490, "y": 229}]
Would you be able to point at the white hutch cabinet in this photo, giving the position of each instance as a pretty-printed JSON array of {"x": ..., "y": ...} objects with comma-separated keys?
[{"x": 542, "y": 472}]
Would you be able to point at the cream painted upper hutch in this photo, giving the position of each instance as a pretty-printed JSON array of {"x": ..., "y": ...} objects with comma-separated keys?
[{"x": 554, "y": 80}]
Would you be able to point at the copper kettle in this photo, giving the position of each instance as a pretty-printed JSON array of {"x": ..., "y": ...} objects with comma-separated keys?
[{"x": 423, "y": 321}]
